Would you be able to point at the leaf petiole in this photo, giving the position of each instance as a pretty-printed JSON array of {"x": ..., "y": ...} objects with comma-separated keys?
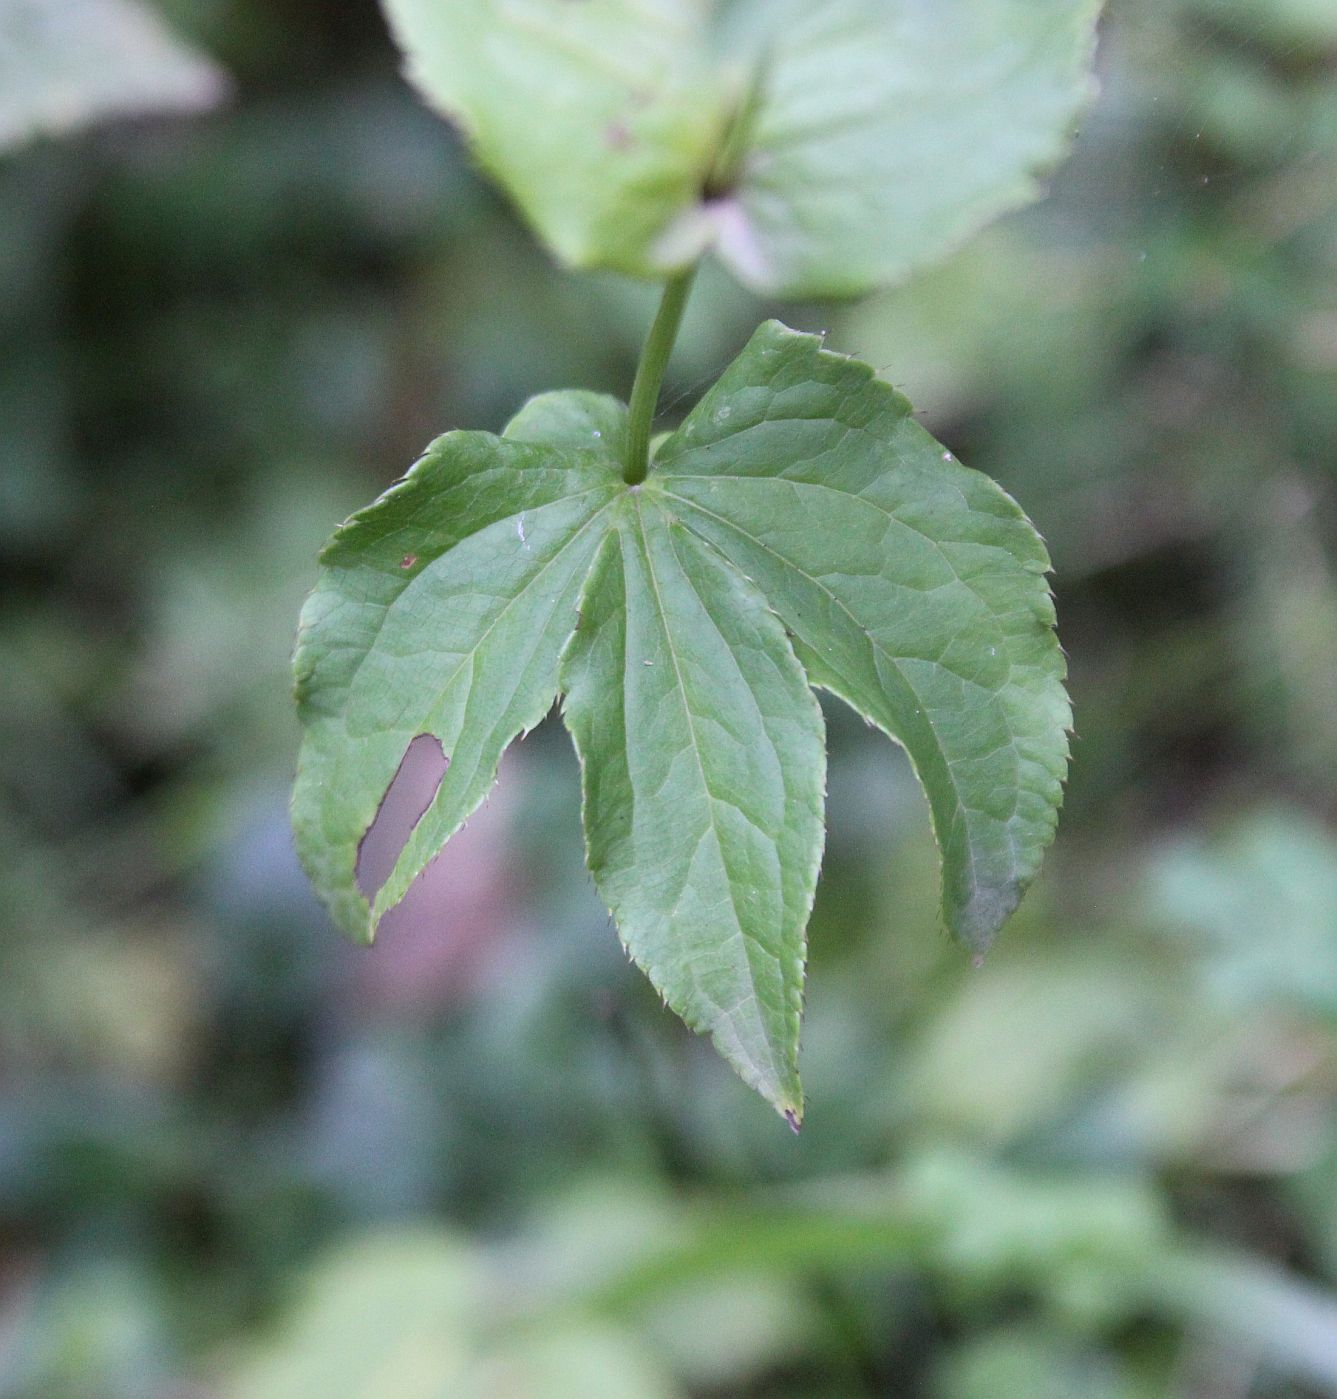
[{"x": 650, "y": 373}]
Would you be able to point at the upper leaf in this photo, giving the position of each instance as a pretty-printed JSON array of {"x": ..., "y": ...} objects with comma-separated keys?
[
  {"x": 67, "y": 62},
  {"x": 441, "y": 609},
  {"x": 703, "y": 756},
  {"x": 600, "y": 119},
  {"x": 819, "y": 148},
  {"x": 891, "y": 130},
  {"x": 912, "y": 587}
]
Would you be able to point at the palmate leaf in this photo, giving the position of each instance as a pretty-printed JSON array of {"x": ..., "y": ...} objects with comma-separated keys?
[
  {"x": 799, "y": 529},
  {"x": 819, "y": 148}
]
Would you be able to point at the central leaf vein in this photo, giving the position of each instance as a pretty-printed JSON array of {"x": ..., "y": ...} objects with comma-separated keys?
[{"x": 713, "y": 831}]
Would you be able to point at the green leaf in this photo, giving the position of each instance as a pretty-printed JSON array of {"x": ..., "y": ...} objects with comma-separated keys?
[
  {"x": 889, "y": 133},
  {"x": 799, "y": 529},
  {"x": 913, "y": 588},
  {"x": 600, "y": 119},
  {"x": 64, "y": 63},
  {"x": 442, "y": 609},
  {"x": 819, "y": 149},
  {"x": 704, "y": 766},
  {"x": 588, "y": 422}
]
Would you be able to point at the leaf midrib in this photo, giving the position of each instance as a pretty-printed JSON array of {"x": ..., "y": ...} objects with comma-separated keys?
[{"x": 780, "y": 1074}]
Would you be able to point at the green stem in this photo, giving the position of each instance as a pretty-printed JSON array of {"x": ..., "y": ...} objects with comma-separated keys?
[{"x": 650, "y": 374}]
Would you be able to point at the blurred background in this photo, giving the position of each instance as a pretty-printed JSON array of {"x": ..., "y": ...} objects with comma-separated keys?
[{"x": 241, "y": 1159}]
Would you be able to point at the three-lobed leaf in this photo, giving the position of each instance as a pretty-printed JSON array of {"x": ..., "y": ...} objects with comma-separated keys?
[
  {"x": 799, "y": 529},
  {"x": 818, "y": 148}
]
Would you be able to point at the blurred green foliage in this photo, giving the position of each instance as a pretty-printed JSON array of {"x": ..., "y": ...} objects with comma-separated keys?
[{"x": 241, "y": 1158}]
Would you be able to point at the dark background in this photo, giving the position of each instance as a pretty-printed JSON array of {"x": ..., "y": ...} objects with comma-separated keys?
[{"x": 239, "y": 1157}]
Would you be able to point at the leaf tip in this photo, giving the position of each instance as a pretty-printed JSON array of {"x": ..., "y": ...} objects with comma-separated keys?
[
  {"x": 795, "y": 1120},
  {"x": 978, "y": 921},
  {"x": 363, "y": 932}
]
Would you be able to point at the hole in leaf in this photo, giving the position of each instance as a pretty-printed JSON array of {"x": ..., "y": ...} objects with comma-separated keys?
[
  {"x": 405, "y": 801},
  {"x": 460, "y": 913}
]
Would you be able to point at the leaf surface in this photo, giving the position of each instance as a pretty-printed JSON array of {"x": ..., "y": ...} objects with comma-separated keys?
[
  {"x": 890, "y": 132},
  {"x": 703, "y": 760},
  {"x": 441, "y": 609},
  {"x": 913, "y": 588},
  {"x": 821, "y": 149},
  {"x": 599, "y": 118},
  {"x": 574, "y": 418}
]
